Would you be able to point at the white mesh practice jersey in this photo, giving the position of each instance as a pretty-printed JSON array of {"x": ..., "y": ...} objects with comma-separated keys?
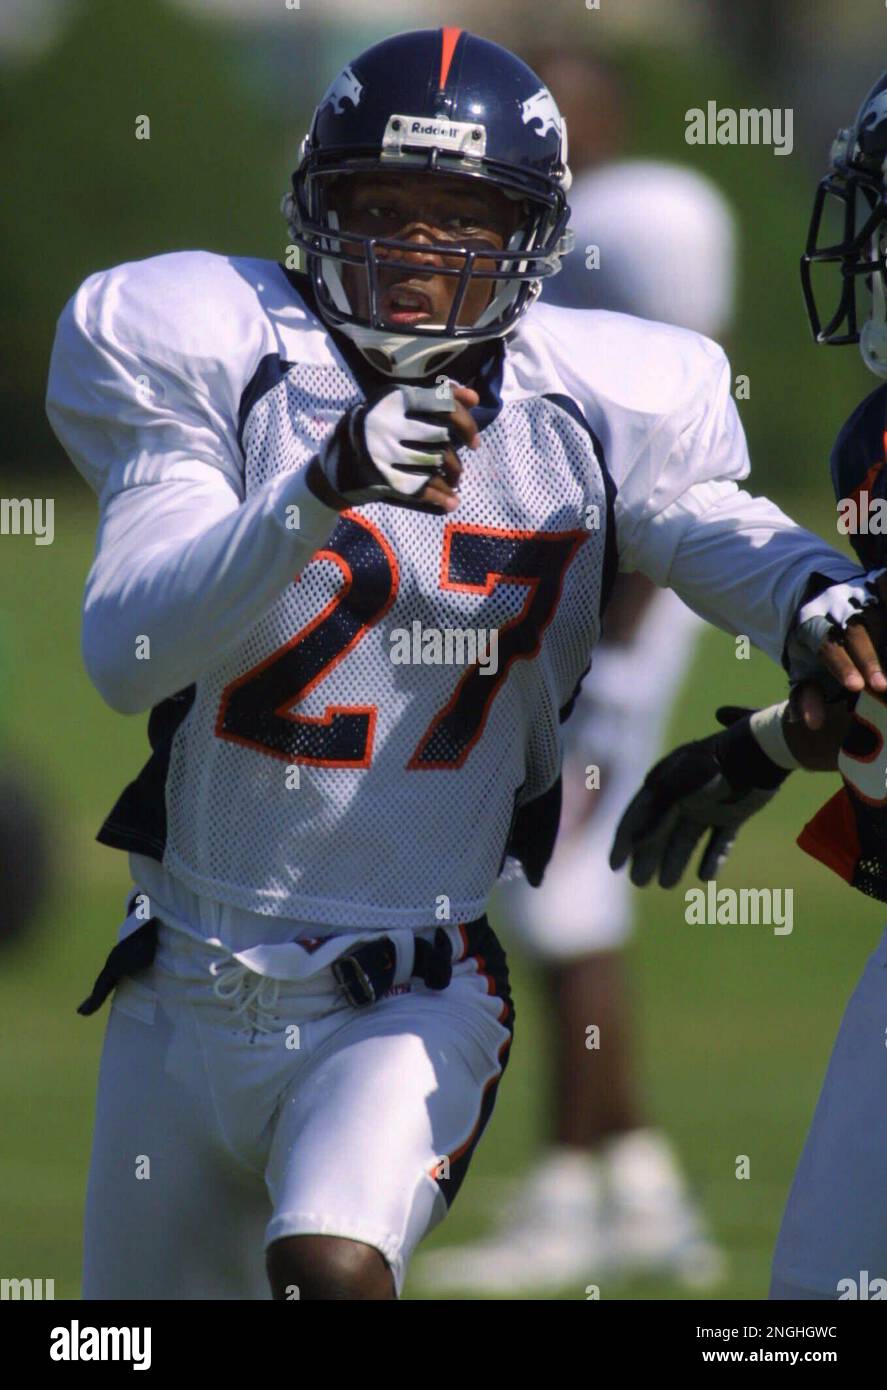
[{"x": 328, "y": 745}]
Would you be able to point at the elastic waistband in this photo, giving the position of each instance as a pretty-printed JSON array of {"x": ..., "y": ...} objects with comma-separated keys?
[
  {"x": 315, "y": 974},
  {"x": 304, "y": 963}
]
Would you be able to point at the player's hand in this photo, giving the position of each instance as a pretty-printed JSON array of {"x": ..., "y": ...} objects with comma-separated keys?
[
  {"x": 837, "y": 635},
  {"x": 817, "y": 727},
  {"x": 443, "y": 490},
  {"x": 704, "y": 787},
  {"x": 402, "y": 449}
]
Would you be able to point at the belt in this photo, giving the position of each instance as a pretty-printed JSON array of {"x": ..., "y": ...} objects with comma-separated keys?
[
  {"x": 368, "y": 972},
  {"x": 364, "y": 974},
  {"x": 135, "y": 952}
]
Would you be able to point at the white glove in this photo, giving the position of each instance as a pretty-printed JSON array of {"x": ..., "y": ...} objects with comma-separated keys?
[
  {"x": 387, "y": 452},
  {"x": 823, "y": 616}
]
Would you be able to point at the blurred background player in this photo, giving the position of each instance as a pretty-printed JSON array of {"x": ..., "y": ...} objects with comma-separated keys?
[{"x": 608, "y": 1193}]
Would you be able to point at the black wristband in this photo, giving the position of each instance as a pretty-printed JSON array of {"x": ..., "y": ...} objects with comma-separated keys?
[
  {"x": 341, "y": 468},
  {"x": 355, "y": 469},
  {"x": 319, "y": 484}
]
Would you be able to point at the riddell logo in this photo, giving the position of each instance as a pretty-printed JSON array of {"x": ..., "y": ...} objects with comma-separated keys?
[{"x": 447, "y": 132}]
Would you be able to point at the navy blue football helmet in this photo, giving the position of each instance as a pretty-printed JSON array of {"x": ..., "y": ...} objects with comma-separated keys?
[
  {"x": 856, "y": 179},
  {"x": 443, "y": 102}
]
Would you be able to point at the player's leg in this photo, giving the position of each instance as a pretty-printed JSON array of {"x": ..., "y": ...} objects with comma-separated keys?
[
  {"x": 833, "y": 1238},
  {"x": 578, "y": 925},
  {"x": 327, "y": 1267},
  {"x": 170, "y": 1213},
  {"x": 606, "y": 1194},
  {"x": 608, "y": 1190},
  {"x": 581, "y": 962},
  {"x": 595, "y": 1092},
  {"x": 630, "y": 1194},
  {"x": 372, "y": 1144}
]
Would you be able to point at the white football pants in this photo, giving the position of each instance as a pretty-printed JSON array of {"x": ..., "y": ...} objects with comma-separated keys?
[
  {"x": 834, "y": 1229},
  {"x": 232, "y": 1112}
]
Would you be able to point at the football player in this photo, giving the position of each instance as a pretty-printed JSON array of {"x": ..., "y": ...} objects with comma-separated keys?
[
  {"x": 308, "y": 483},
  {"x": 606, "y": 1193},
  {"x": 833, "y": 1239}
]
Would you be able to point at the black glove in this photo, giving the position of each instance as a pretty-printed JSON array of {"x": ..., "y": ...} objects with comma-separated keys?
[{"x": 713, "y": 784}]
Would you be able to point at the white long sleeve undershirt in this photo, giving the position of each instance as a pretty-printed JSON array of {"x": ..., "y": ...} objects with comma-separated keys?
[
  {"x": 191, "y": 567},
  {"x": 188, "y": 565}
]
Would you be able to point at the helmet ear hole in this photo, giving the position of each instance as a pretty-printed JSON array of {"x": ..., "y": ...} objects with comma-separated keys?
[{"x": 380, "y": 360}]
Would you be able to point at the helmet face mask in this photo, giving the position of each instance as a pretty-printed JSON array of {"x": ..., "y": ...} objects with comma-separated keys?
[
  {"x": 855, "y": 188},
  {"x": 529, "y": 256},
  {"x": 863, "y": 210},
  {"x": 350, "y": 266}
]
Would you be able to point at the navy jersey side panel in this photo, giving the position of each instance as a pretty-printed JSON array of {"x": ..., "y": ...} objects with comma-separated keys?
[
  {"x": 859, "y": 474},
  {"x": 849, "y": 833},
  {"x": 535, "y": 825}
]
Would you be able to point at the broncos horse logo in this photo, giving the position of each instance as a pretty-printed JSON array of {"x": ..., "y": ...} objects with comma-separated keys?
[
  {"x": 345, "y": 87},
  {"x": 541, "y": 107}
]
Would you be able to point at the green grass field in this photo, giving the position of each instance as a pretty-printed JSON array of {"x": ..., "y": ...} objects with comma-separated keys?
[{"x": 736, "y": 1023}]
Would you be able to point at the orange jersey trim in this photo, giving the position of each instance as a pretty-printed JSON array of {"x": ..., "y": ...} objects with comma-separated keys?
[
  {"x": 869, "y": 480},
  {"x": 831, "y": 836}
]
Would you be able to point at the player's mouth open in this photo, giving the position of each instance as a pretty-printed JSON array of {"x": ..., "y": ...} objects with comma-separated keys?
[{"x": 405, "y": 305}]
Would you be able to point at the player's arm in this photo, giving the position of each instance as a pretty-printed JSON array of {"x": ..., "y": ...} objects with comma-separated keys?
[
  {"x": 191, "y": 567},
  {"x": 711, "y": 786},
  {"x": 746, "y": 567},
  {"x": 184, "y": 563},
  {"x": 183, "y": 568},
  {"x": 735, "y": 559}
]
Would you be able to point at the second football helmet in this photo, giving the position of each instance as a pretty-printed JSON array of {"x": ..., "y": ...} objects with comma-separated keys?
[
  {"x": 855, "y": 188},
  {"x": 441, "y": 102}
]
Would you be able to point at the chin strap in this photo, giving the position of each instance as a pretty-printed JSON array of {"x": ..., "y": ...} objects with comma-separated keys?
[{"x": 401, "y": 357}]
